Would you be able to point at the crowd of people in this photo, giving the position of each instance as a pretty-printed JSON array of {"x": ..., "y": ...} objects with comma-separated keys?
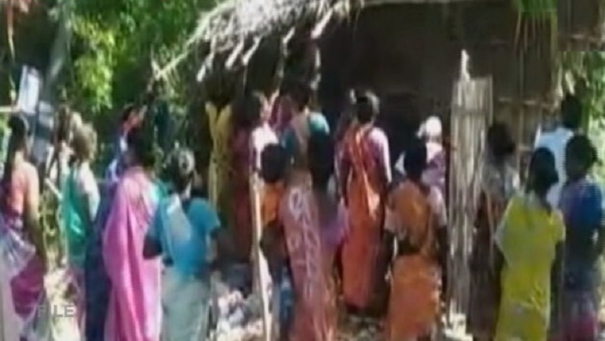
[{"x": 343, "y": 231}]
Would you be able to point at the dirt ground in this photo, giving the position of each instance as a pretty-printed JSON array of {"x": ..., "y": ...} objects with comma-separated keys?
[{"x": 357, "y": 329}]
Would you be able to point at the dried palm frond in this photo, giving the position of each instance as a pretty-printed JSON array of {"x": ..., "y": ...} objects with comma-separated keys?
[
  {"x": 243, "y": 25},
  {"x": 234, "y": 21}
]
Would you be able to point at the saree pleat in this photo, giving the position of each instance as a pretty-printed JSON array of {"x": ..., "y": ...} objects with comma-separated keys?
[
  {"x": 361, "y": 253},
  {"x": 134, "y": 312},
  {"x": 313, "y": 319}
]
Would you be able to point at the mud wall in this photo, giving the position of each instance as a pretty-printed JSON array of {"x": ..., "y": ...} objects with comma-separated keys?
[{"x": 409, "y": 54}]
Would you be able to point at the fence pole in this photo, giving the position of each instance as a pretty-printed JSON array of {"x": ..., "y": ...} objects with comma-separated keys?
[{"x": 261, "y": 281}]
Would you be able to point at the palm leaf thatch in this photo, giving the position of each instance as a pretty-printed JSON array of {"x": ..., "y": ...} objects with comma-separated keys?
[
  {"x": 234, "y": 21},
  {"x": 232, "y": 32},
  {"x": 234, "y": 29}
]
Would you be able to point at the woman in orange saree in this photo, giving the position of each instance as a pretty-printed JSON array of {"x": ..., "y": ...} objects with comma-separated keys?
[
  {"x": 415, "y": 213},
  {"x": 314, "y": 225},
  {"x": 365, "y": 173}
]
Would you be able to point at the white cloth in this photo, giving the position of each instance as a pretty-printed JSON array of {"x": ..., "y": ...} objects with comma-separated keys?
[
  {"x": 556, "y": 142},
  {"x": 432, "y": 150},
  {"x": 111, "y": 175},
  {"x": 437, "y": 203},
  {"x": 237, "y": 318},
  {"x": 431, "y": 128},
  {"x": 262, "y": 136},
  {"x": 60, "y": 308},
  {"x": 87, "y": 185},
  {"x": 186, "y": 305},
  {"x": 399, "y": 164}
]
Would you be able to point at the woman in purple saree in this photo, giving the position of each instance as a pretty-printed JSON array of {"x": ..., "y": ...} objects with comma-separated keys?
[
  {"x": 20, "y": 249},
  {"x": 134, "y": 312}
]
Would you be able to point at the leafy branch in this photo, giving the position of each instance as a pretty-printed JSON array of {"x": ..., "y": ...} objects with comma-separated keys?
[
  {"x": 116, "y": 42},
  {"x": 584, "y": 74}
]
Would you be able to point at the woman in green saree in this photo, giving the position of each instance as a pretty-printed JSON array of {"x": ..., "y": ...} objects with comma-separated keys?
[{"x": 81, "y": 200}]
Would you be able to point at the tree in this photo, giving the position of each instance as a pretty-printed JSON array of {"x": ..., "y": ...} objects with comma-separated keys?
[
  {"x": 115, "y": 43},
  {"x": 10, "y": 7},
  {"x": 583, "y": 73}
]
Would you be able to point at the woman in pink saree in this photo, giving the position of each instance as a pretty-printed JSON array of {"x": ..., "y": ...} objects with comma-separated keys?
[
  {"x": 134, "y": 312},
  {"x": 20, "y": 245},
  {"x": 314, "y": 226}
]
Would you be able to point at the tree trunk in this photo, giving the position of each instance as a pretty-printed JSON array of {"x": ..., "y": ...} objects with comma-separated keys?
[
  {"x": 60, "y": 51},
  {"x": 58, "y": 59}
]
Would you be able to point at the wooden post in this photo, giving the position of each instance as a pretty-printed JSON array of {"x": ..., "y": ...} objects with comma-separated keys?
[{"x": 261, "y": 280}]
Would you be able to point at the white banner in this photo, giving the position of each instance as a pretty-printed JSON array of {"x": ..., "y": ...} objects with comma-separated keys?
[{"x": 29, "y": 90}]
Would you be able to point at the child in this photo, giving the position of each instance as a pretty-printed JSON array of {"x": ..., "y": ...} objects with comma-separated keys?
[{"x": 273, "y": 170}]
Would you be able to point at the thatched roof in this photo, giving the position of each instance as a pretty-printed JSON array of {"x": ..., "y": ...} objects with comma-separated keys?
[
  {"x": 233, "y": 21},
  {"x": 236, "y": 27}
]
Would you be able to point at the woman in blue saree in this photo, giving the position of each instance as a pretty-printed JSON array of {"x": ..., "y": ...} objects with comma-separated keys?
[{"x": 184, "y": 232}]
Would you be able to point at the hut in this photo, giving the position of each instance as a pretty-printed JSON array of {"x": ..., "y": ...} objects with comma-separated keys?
[
  {"x": 411, "y": 53},
  {"x": 408, "y": 51}
]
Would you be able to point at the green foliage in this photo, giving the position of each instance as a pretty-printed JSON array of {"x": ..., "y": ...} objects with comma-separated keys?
[
  {"x": 114, "y": 44},
  {"x": 537, "y": 9},
  {"x": 94, "y": 69},
  {"x": 584, "y": 74}
]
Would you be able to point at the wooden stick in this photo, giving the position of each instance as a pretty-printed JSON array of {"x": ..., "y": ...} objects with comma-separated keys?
[{"x": 261, "y": 281}]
